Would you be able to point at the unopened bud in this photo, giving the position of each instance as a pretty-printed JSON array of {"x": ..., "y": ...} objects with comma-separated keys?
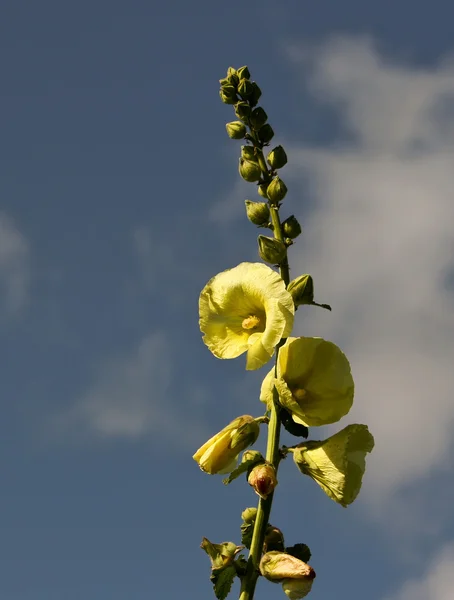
[
  {"x": 263, "y": 479},
  {"x": 249, "y": 171},
  {"x": 236, "y": 130},
  {"x": 302, "y": 290},
  {"x": 248, "y": 152},
  {"x": 257, "y": 212},
  {"x": 228, "y": 98},
  {"x": 291, "y": 227},
  {"x": 258, "y": 118},
  {"x": 243, "y": 73},
  {"x": 252, "y": 456},
  {"x": 232, "y": 76},
  {"x": 249, "y": 514},
  {"x": 276, "y": 566},
  {"x": 277, "y": 158},
  {"x": 265, "y": 133},
  {"x": 276, "y": 191},
  {"x": 262, "y": 190},
  {"x": 242, "y": 110},
  {"x": 271, "y": 250},
  {"x": 245, "y": 88},
  {"x": 254, "y": 98},
  {"x": 274, "y": 540}
]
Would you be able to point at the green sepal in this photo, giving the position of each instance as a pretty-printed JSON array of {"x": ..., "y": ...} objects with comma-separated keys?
[
  {"x": 253, "y": 457},
  {"x": 258, "y": 118},
  {"x": 221, "y": 555},
  {"x": 222, "y": 580},
  {"x": 254, "y": 98},
  {"x": 245, "y": 88},
  {"x": 242, "y": 110},
  {"x": 243, "y": 73},
  {"x": 300, "y": 551},
  {"x": 247, "y": 529},
  {"x": 265, "y": 133}
]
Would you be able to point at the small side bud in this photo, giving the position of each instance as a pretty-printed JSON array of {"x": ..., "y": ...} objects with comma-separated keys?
[
  {"x": 227, "y": 98},
  {"x": 242, "y": 110},
  {"x": 248, "y": 152},
  {"x": 277, "y": 158},
  {"x": 265, "y": 133},
  {"x": 249, "y": 171},
  {"x": 258, "y": 213},
  {"x": 263, "y": 479},
  {"x": 236, "y": 130},
  {"x": 271, "y": 250},
  {"x": 302, "y": 290},
  {"x": 291, "y": 227},
  {"x": 243, "y": 73},
  {"x": 262, "y": 190},
  {"x": 276, "y": 191},
  {"x": 249, "y": 514},
  {"x": 255, "y": 97},
  {"x": 232, "y": 76},
  {"x": 274, "y": 540},
  {"x": 258, "y": 118},
  {"x": 245, "y": 88}
]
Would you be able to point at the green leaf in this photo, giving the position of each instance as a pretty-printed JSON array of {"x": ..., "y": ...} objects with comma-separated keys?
[
  {"x": 222, "y": 581},
  {"x": 247, "y": 529},
  {"x": 300, "y": 551}
]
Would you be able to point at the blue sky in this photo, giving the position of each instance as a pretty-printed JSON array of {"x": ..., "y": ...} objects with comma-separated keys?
[{"x": 120, "y": 198}]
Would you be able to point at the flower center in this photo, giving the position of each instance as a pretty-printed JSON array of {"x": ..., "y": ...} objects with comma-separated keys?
[
  {"x": 299, "y": 394},
  {"x": 250, "y": 322}
]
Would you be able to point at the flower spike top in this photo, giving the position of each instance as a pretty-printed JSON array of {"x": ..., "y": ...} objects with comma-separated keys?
[
  {"x": 338, "y": 463},
  {"x": 246, "y": 309},
  {"x": 314, "y": 381}
]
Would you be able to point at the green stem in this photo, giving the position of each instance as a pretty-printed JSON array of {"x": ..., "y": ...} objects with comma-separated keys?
[{"x": 249, "y": 580}]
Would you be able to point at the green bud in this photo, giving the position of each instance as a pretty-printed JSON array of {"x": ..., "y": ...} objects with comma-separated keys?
[
  {"x": 252, "y": 455},
  {"x": 258, "y": 118},
  {"x": 276, "y": 191},
  {"x": 243, "y": 73},
  {"x": 266, "y": 133},
  {"x": 245, "y": 88},
  {"x": 262, "y": 190},
  {"x": 291, "y": 227},
  {"x": 232, "y": 76},
  {"x": 274, "y": 539},
  {"x": 302, "y": 290},
  {"x": 249, "y": 514},
  {"x": 258, "y": 213},
  {"x": 226, "y": 98},
  {"x": 263, "y": 479},
  {"x": 225, "y": 81},
  {"x": 248, "y": 152},
  {"x": 277, "y": 158},
  {"x": 242, "y": 110},
  {"x": 249, "y": 171},
  {"x": 236, "y": 130},
  {"x": 257, "y": 92},
  {"x": 271, "y": 250}
]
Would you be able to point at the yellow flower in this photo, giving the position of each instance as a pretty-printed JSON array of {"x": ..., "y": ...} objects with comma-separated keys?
[
  {"x": 219, "y": 454},
  {"x": 246, "y": 309},
  {"x": 314, "y": 381},
  {"x": 295, "y": 575},
  {"x": 295, "y": 589},
  {"x": 338, "y": 463}
]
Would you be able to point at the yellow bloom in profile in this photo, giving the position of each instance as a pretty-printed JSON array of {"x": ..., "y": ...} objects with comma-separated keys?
[
  {"x": 314, "y": 381},
  {"x": 220, "y": 453},
  {"x": 338, "y": 463},
  {"x": 246, "y": 309}
]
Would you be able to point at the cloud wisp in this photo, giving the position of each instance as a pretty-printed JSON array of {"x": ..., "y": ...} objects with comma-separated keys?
[{"x": 14, "y": 267}]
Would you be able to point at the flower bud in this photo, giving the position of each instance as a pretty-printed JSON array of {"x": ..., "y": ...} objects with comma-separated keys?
[
  {"x": 245, "y": 88},
  {"x": 242, "y": 110},
  {"x": 258, "y": 118},
  {"x": 271, "y": 250},
  {"x": 236, "y": 130},
  {"x": 243, "y": 73},
  {"x": 263, "y": 479},
  {"x": 255, "y": 97},
  {"x": 232, "y": 76},
  {"x": 265, "y": 133},
  {"x": 276, "y": 566},
  {"x": 276, "y": 191},
  {"x": 277, "y": 158},
  {"x": 248, "y": 152},
  {"x": 291, "y": 228},
  {"x": 262, "y": 190},
  {"x": 295, "y": 589},
  {"x": 252, "y": 456},
  {"x": 226, "y": 98},
  {"x": 249, "y": 514},
  {"x": 249, "y": 171},
  {"x": 219, "y": 454},
  {"x": 302, "y": 290},
  {"x": 258, "y": 213},
  {"x": 274, "y": 540}
]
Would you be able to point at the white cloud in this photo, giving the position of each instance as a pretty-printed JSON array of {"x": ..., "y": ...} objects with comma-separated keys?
[
  {"x": 14, "y": 267},
  {"x": 380, "y": 243},
  {"x": 437, "y": 582},
  {"x": 131, "y": 397}
]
